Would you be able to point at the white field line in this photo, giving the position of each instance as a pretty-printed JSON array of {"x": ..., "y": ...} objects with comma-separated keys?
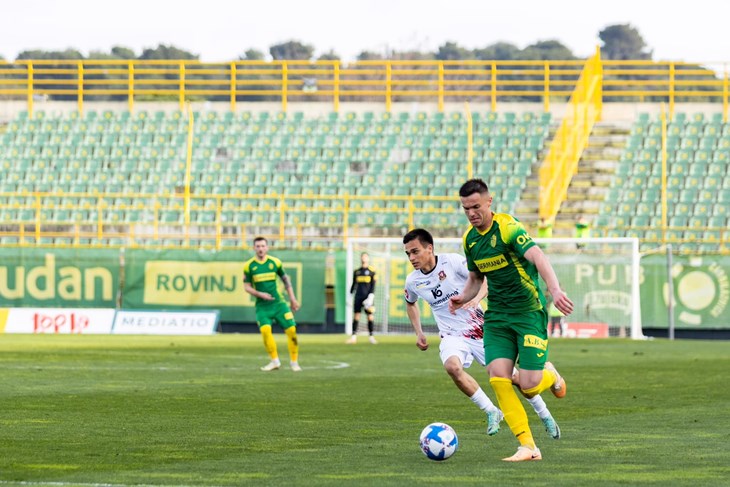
[
  {"x": 87, "y": 484},
  {"x": 328, "y": 364}
]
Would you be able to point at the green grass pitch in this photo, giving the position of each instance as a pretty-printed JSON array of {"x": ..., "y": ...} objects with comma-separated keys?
[{"x": 114, "y": 410}]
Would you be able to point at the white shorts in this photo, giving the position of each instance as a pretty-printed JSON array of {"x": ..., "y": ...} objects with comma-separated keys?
[{"x": 466, "y": 349}]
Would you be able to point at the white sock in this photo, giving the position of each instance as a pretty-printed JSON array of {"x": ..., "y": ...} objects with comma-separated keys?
[
  {"x": 277, "y": 361},
  {"x": 538, "y": 404},
  {"x": 482, "y": 401}
]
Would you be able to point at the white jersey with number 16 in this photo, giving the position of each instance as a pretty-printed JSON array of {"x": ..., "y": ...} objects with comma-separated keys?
[{"x": 445, "y": 280}]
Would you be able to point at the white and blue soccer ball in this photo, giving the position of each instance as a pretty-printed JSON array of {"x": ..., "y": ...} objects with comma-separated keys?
[{"x": 439, "y": 441}]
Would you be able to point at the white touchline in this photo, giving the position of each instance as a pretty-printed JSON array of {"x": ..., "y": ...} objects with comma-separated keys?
[{"x": 90, "y": 484}]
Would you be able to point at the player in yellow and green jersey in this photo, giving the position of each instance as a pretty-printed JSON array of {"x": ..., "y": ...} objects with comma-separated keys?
[
  {"x": 498, "y": 248},
  {"x": 260, "y": 275}
]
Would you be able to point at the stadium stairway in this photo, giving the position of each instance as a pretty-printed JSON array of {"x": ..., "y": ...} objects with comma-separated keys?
[{"x": 588, "y": 187}]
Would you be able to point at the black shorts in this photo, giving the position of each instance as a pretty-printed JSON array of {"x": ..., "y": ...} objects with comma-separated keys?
[{"x": 358, "y": 305}]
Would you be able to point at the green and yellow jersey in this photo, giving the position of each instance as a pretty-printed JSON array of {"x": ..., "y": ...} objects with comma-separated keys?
[
  {"x": 262, "y": 274},
  {"x": 498, "y": 253}
]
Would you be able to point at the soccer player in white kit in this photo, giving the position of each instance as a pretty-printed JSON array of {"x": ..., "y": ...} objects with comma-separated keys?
[{"x": 435, "y": 279}]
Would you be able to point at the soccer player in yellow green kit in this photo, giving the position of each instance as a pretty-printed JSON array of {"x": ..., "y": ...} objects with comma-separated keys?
[
  {"x": 498, "y": 248},
  {"x": 259, "y": 279}
]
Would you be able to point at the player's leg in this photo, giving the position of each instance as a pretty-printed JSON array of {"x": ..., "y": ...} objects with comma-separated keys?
[
  {"x": 500, "y": 345},
  {"x": 467, "y": 351},
  {"x": 555, "y": 329},
  {"x": 536, "y": 373},
  {"x": 286, "y": 319},
  {"x": 264, "y": 320},
  {"x": 371, "y": 325},
  {"x": 357, "y": 308},
  {"x": 541, "y": 409},
  {"x": 563, "y": 326}
]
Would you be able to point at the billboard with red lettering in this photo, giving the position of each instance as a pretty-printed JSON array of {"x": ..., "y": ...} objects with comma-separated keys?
[{"x": 59, "y": 320}]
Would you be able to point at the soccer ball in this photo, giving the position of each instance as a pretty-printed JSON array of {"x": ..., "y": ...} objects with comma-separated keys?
[{"x": 439, "y": 441}]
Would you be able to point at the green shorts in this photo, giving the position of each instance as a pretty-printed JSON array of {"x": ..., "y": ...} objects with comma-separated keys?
[
  {"x": 278, "y": 312},
  {"x": 513, "y": 335}
]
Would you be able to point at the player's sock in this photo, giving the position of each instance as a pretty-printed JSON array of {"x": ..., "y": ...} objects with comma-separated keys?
[
  {"x": 482, "y": 401},
  {"x": 355, "y": 324},
  {"x": 293, "y": 343},
  {"x": 538, "y": 404},
  {"x": 269, "y": 342},
  {"x": 371, "y": 326},
  {"x": 548, "y": 379},
  {"x": 514, "y": 412}
]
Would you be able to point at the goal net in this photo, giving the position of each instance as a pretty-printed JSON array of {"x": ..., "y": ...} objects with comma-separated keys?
[{"x": 600, "y": 275}]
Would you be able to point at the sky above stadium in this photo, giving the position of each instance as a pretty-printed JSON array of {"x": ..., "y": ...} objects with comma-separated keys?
[{"x": 221, "y": 30}]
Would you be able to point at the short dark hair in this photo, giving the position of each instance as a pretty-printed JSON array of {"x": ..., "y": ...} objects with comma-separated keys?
[
  {"x": 259, "y": 239},
  {"x": 473, "y": 186},
  {"x": 418, "y": 233}
]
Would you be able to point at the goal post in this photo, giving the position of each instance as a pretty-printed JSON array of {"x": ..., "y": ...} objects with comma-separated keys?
[{"x": 601, "y": 276}]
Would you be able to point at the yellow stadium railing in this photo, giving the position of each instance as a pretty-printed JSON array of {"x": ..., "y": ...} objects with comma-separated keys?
[
  {"x": 571, "y": 138},
  {"x": 91, "y": 221},
  {"x": 90, "y": 218},
  {"x": 492, "y": 82}
]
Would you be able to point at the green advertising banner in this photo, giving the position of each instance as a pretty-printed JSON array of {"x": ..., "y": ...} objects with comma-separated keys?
[
  {"x": 188, "y": 279},
  {"x": 340, "y": 286},
  {"x": 56, "y": 277},
  {"x": 600, "y": 286},
  {"x": 701, "y": 291}
]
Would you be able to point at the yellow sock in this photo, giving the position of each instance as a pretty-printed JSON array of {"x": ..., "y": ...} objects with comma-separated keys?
[
  {"x": 269, "y": 343},
  {"x": 548, "y": 379},
  {"x": 291, "y": 335},
  {"x": 514, "y": 412}
]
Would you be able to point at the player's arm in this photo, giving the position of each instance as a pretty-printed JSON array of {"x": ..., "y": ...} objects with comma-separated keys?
[
  {"x": 248, "y": 287},
  {"x": 415, "y": 316},
  {"x": 471, "y": 289},
  {"x": 354, "y": 282},
  {"x": 535, "y": 255},
  {"x": 290, "y": 291},
  {"x": 483, "y": 291}
]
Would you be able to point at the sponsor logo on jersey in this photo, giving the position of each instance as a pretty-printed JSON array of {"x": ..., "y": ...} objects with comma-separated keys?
[
  {"x": 271, "y": 266},
  {"x": 493, "y": 242},
  {"x": 264, "y": 277},
  {"x": 535, "y": 342},
  {"x": 442, "y": 275},
  {"x": 421, "y": 284},
  {"x": 523, "y": 240},
  {"x": 492, "y": 263},
  {"x": 472, "y": 244},
  {"x": 437, "y": 293}
]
